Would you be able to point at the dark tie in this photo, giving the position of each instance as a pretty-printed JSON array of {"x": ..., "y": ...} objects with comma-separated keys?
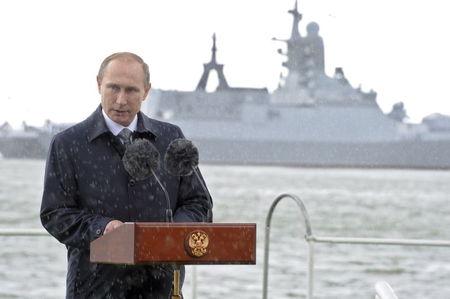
[{"x": 125, "y": 136}]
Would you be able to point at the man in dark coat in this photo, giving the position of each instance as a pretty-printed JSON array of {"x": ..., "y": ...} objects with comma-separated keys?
[{"x": 87, "y": 191}]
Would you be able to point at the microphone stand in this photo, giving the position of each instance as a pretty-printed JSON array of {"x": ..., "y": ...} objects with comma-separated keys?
[
  {"x": 176, "y": 289},
  {"x": 169, "y": 214}
]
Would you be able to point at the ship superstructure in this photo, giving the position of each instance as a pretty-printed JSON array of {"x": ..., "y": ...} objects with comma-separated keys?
[
  {"x": 310, "y": 119},
  {"x": 306, "y": 82}
]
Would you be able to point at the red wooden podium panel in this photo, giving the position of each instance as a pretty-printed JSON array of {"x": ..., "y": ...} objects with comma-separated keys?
[{"x": 179, "y": 243}]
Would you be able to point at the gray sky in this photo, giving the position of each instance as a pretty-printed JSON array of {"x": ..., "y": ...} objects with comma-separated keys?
[{"x": 51, "y": 50}]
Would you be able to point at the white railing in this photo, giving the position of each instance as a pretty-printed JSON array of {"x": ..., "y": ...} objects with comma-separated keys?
[
  {"x": 311, "y": 239},
  {"x": 19, "y": 232}
]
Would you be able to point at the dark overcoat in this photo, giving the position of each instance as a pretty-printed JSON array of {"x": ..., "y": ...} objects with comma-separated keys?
[{"x": 86, "y": 186}]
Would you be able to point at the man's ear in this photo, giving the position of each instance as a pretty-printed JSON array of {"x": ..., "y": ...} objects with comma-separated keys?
[
  {"x": 147, "y": 90},
  {"x": 99, "y": 83}
]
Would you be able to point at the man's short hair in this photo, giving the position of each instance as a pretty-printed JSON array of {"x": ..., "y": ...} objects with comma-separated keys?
[{"x": 133, "y": 56}]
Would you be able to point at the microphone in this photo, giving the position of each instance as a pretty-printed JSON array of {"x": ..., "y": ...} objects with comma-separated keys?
[
  {"x": 140, "y": 160},
  {"x": 181, "y": 159}
]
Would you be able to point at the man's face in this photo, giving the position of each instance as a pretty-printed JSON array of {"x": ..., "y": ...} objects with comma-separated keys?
[{"x": 122, "y": 90}]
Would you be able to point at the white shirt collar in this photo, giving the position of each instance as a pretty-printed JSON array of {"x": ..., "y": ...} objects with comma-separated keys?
[{"x": 115, "y": 128}]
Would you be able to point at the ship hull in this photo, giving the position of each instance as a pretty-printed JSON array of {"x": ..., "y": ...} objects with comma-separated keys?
[
  {"x": 404, "y": 154},
  {"x": 401, "y": 154}
]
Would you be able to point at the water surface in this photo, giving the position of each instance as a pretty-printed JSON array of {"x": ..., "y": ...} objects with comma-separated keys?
[{"x": 340, "y": 202}]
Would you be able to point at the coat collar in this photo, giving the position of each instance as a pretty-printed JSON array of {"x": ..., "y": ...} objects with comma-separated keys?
[{"x": 97, "y": 125}]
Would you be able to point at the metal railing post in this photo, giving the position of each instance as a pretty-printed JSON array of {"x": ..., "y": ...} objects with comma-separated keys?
[
  {"x": 308, "y": 236},
  {"x": 310, "y": 269},
  {"x": 194, "y": 282}
]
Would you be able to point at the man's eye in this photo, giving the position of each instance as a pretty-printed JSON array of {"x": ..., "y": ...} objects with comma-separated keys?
[{"x": 114, "y": 88}]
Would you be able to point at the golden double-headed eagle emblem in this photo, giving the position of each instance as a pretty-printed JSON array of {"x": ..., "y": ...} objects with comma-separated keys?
[{"x": 197, "y": 243}]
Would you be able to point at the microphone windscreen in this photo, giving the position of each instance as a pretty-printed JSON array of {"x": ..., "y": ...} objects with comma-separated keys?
[
  {"x": 181, "y": 157},
  {"x": 140, "y": 157}
]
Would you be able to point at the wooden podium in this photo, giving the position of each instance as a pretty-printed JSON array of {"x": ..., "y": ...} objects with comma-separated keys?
[{"x": 138, "y": 243}]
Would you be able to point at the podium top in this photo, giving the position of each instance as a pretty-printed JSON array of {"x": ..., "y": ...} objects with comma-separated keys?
[{"x": 137, "y": 243}]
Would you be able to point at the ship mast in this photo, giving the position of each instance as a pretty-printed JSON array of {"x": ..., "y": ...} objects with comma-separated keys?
[
  {"x": 212, "y": 65},
  {"x": 295, "y": 34},
  {"x": 295, "y": 54},
  {"x": 304, "y": 55},
  {"x": 214, "y": 50}
]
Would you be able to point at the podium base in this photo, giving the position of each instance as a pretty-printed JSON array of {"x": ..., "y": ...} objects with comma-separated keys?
[{"x": 176, "y": 284}]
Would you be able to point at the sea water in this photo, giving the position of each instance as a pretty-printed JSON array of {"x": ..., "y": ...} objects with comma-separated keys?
[{"x": 340, "y": 202}]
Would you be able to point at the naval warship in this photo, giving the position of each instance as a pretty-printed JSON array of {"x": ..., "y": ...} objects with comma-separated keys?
[{"x": 311, "y": 119}]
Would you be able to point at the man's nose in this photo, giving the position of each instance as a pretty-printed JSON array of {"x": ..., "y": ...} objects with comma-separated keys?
[{"x": 121, "y": 98}]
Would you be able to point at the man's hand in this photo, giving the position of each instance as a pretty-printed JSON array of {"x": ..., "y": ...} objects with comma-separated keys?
[{"x": 112, "y": 225}]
